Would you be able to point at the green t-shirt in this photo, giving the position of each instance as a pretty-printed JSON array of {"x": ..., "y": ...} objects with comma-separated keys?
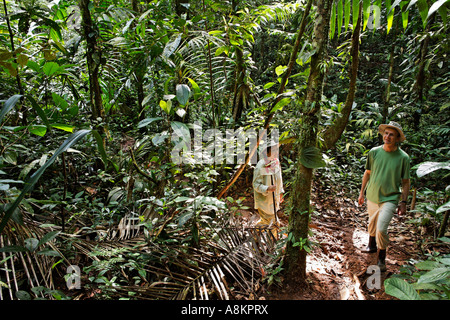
[{"x": 387, "y": 169}]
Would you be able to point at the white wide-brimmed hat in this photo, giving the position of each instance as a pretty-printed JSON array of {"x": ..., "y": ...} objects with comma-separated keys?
[{"x": 393, "y": 125}]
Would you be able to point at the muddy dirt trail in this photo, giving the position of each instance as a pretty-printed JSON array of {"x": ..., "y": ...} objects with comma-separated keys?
[{"x": 336, "y": 268}]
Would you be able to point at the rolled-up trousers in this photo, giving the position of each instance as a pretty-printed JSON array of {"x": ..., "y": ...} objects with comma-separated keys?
[{"x": 380, "y": 215}]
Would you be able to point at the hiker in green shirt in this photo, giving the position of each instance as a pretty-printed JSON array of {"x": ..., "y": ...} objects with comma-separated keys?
[{"x": 387, "y": 169}]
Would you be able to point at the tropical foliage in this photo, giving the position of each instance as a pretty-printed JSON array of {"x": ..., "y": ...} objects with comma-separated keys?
[{"x": 95, "y": 94}]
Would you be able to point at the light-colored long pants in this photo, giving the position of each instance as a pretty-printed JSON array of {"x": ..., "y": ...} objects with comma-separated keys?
[{"x": 380, "y": 215}]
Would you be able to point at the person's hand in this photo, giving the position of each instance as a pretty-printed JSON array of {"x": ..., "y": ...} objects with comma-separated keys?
[
  {"x": 361, "y": 199},
  {"x": 271, "y": 188},
  {"x": 401, "y": 209}
]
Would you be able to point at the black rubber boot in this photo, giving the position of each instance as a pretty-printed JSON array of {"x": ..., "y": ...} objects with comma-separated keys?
[
  {"x": 382, "y": 260},
  {"x": 371, "y": 247}
]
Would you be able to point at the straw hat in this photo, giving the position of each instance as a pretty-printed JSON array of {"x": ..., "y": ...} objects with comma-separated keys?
[{"x": 393, "y": 125}]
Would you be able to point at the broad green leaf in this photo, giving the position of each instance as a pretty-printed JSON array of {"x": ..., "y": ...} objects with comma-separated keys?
[
  {"x": 443, "y": 208},
  {"x": 195, "y": 86},
  {"x": 22, "y": 59},
  {"x": 311, "y": 157},
  {"x": 435, "y": 275},
  {"x": 166, "y": 106},
  {"x": 400, "y": 289},
  {"x": 39, "y": 130},
  {"x": 280, "y": 104},
  {"x": 423, "y": 10},
  {"x": 280, "y": 70},
  {"x": 50, "y": 68},
  {"x": 59, "y": 101},
  {"x": 427, "y": 265},
  {"x": 9, "y": 104},
  {"x": 430, "y": 166},
  {"x": 268, "y": 85},
  {"x": 183, "y": 93},
  {"x": 435, "y": 7},
  {"x": 10, "y": 156},
  {"x": 147, "y": 121},
  {"x": 181, "y": 130}
]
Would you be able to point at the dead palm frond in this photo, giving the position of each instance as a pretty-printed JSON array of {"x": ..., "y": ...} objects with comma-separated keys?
[
  {"x": 28, "y": 255},
  {"x": 225, "y": 255}
]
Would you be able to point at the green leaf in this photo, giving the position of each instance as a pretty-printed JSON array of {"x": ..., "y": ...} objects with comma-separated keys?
[
  {"x": 280, "y": 104},
  {"x": 390, "y": 17},
  {"x": 435, "y": 275},
  {"x": 147, "y": 121},
  {"x": 404, "y": 15},
  {"x": 9, "y": 104},
  {"x": 183, "y": 93},
  {"x": 366, "y": 12},
  {"x": 347, "y": 8},
  {"x": 13, "y": 249},
  {"x": 268, "y": 85},
  {"x": 340, "y": 16},
  {"x": 64, "y": 127},
  {"x": 59, "y": 101},
  {"x": 48, "y": 237},
  {"x": 38, "y": 110},
  {"x": 435, "y": 7},
  {"x": 333, "y": 20},
  {"x": 50, "y": 68},
  {"x": 430, "y": 166},
  {"x": 355, "y": 12},
  {"x": 195, "y": 86},
  {"x": 39, "y": 130},
  {"x": 311, "y": 157},
  {"x": 423, "y": 10},
  {"x": 400, "y": 289},
  {"x": 101, "y": 147},
  {"x": 71, "y": 140},
  {"x": 443, "y": 208},
  {"x": 166, "y": 106},
  {"x": 280, "y": 70}
]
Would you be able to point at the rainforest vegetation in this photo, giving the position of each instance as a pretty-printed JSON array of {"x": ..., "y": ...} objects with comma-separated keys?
[{"x": 97, "y": 95}]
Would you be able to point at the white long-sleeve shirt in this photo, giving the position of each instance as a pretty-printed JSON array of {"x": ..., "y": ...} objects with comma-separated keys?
[{"x": 265, "y": 170}]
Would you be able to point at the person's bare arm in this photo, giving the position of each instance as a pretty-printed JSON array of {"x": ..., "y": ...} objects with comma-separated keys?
[
  {"x": 365, "y": 179},
  {"x": 406, "y": 184}
]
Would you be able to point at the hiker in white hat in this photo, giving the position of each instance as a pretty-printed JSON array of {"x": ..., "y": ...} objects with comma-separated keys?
[
  {"x": 386, "y": 182},
  {"x": 268, "y": 185}
]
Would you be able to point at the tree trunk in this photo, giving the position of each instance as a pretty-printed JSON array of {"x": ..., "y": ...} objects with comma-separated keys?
[
  {"x": 334, "y": 132},
  {"x": 241, "y": 91},
  {"x": 19, "y": 82},
  {"x": 93, "y": 58},
  {"x": 295, "y": 256}
]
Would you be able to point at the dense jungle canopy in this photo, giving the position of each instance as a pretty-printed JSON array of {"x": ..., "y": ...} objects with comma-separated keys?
[{"x": 98, "y": 98}]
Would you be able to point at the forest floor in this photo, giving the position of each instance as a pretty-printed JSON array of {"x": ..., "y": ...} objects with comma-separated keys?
[{"x": 336, "y": 269}]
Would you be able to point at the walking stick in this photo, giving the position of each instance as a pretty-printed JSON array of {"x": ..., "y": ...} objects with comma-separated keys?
[{"x": 274, "y": 206}]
